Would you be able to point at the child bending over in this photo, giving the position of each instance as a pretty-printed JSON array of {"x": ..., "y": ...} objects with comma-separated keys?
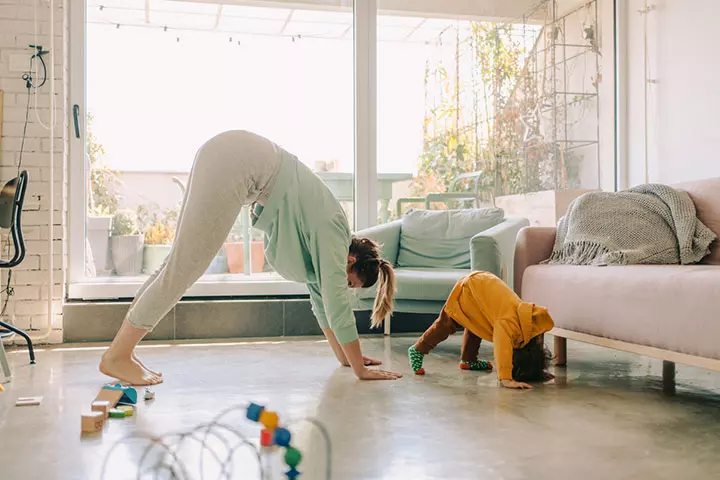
[{"x": 489, "y": 310}]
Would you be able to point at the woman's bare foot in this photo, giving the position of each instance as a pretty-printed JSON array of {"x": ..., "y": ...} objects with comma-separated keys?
[
  {"x": 126, "y": 370},
  {"x": 137, "y": 360}
]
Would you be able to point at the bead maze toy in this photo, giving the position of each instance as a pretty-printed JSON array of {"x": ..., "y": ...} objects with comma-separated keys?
[
  {"x": 221, "y": 448},
  {"x": 274, "y": 435}
]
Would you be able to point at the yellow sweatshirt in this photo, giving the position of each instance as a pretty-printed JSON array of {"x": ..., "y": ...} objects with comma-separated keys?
[{"x": 486, "y": 306}]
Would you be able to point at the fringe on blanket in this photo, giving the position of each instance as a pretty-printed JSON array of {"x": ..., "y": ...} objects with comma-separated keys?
[{"x": 586, "y": 253}]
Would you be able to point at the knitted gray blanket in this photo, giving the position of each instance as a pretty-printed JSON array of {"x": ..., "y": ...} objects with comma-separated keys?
[{"x": 647, "y": 224}]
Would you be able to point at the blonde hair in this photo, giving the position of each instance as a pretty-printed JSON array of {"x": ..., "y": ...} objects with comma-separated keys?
[
  {"x": 385, "y": 293},
  {"x": 372, "y": 268}
]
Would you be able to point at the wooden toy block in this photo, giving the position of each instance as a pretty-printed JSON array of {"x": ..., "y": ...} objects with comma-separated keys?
[
  {"x": 116, "y": 413},
  {"x": 128, "y": 409},
  {"x": 253, "y": 412},
  {"x": 110, "y": 396},
  {"x": 266, "y": 438},
  {"x": 92, "y": 421},
  {"x": 269, "y": 419},
  {"x": 292, "y": 457},
  {"x": 282, "y": 437},
  {"x": 101, "y": 406},
  {"x": 129, "y": 394},
  {"x": 28, "y": 401}
]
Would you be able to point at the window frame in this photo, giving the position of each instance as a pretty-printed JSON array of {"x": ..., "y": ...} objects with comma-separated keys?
[{"x": 82, "y": 287}]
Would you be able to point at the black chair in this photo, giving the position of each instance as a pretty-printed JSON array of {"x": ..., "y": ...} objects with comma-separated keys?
[{"x": 12, "y": 197}]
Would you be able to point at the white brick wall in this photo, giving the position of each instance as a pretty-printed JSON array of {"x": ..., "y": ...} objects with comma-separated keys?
[{"x": 28, "y": 307}]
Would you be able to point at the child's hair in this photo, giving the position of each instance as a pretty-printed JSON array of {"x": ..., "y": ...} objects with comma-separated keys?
[
  {"x": 369, "y": 266},
  {"x": 531, "y": 361}
]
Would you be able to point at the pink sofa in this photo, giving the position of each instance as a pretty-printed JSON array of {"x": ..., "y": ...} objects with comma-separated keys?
[{"x": 670, "y": 312}]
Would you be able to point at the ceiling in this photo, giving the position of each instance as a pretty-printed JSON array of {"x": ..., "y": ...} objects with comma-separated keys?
[{"x": 300, "y": 19}]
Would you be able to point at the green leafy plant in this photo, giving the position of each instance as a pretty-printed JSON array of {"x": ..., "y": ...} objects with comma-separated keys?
[
  {"x": 476, "y": 114},
  {"x": 103, "y": 180},
  {"x": 157, "y": 227},
  {"x": 124, "y": 222}
]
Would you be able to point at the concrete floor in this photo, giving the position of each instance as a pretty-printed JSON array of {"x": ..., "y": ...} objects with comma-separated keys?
[{"x": 604, "y": 417}]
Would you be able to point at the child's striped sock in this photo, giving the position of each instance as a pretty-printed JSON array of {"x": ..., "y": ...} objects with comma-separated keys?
[
  {"x": 416, "y": 360},
  {"x": 476, "y": 365}
]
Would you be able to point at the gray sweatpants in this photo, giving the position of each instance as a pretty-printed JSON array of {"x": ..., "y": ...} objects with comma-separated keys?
[{"x": 230, "y": 171}]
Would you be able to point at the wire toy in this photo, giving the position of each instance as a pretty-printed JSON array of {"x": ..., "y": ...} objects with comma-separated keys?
[{"x": 220, "y": 443}]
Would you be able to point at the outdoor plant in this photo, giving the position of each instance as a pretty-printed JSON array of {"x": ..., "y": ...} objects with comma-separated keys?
[
  {"x": 101, "y": 200},
  {"x": 158, "y": 228},
  {"x": 482, "y": 114},
  {"x": 124, "y": 222}
]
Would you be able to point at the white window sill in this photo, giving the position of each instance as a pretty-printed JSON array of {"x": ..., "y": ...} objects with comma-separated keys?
[{"x": 226, "y": 285}]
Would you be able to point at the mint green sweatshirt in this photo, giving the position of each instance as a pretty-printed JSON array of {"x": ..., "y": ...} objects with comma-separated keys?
[{"x": 307, "y": 240}]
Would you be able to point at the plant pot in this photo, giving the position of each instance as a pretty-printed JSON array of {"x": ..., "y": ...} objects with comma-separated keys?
[
  {"x": 154, "y": 256},
  {"x": 98, "y": 234},
  {"x": 218, "y": 265},
  {"x": 127, "y": 254},
  {"x": 235, "y": 252}
]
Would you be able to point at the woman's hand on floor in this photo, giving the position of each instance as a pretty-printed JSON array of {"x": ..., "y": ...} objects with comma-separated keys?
[
  {"x": 373, "y": 374},
  {"x": 514, "y": 384},
  {"x": 371, "y": 361},
  {"x": 367, "y": 361}
]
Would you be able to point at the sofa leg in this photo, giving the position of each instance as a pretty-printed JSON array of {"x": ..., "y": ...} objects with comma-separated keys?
[
  {"x": 386, "y": 323},
  {"x": 560, "y": 351},
  {"x": 668, "y": 377}
]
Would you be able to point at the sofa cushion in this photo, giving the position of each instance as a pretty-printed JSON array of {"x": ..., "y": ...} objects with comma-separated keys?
[
  {"x": 432, "y": 284},
  {"x": 664, "y": 306},
  {"x": 441, "y": 238},
  {"x": 705, "y": 195}
]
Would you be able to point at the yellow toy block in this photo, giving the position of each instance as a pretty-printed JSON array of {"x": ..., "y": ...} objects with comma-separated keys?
[{"x": 269, "y": 419}]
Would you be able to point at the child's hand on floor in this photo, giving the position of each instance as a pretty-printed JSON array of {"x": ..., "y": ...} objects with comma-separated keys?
[{"x": 514, "y": 384}]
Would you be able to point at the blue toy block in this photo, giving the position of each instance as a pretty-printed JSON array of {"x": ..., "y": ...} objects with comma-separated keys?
[
  {"x": 253, "y": 412},
  {"x": 282, "y": 437},
  {"x": 129, "y": 393},
  {"x": 292, "y": 473}
]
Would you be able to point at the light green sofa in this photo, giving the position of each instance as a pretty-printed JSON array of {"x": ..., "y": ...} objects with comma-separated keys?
[{"x": 425, "y": 289}]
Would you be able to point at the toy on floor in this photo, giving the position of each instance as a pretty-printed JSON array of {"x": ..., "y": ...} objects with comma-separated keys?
[
  {"x": 92, "y": 422},
  {"x": 219, "y": 446},
  {"x": 28, "y": 401},
  {"x": 149, "y": 394},
  {"x": 101, "y": 406},
  {"x": 113, "y": 401},
  {"x": 274, "y": 435}
]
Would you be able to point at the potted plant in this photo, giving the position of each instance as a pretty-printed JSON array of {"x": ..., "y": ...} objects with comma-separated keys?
[
  {"x": 158, "y": 243},
  {"x": 102, "y": 204},
  {"x": 126, "y": 244},
  {"x": 235, "y": 248},
  {"x": 99, "y": 223},
  {"x": 219, "y": 264}
]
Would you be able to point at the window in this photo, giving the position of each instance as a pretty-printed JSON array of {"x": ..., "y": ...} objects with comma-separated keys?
[
  {"x": 393, "y": 104},
  {"x": 513, "y": 108},
  {"x": 162, "y": 81}
]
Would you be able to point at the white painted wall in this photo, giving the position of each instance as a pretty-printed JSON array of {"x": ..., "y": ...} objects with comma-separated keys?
[
  {"x": 683, "y": 106},
  {"x": 155, "y": 190},
  {"x": 28, "y": 307}
]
